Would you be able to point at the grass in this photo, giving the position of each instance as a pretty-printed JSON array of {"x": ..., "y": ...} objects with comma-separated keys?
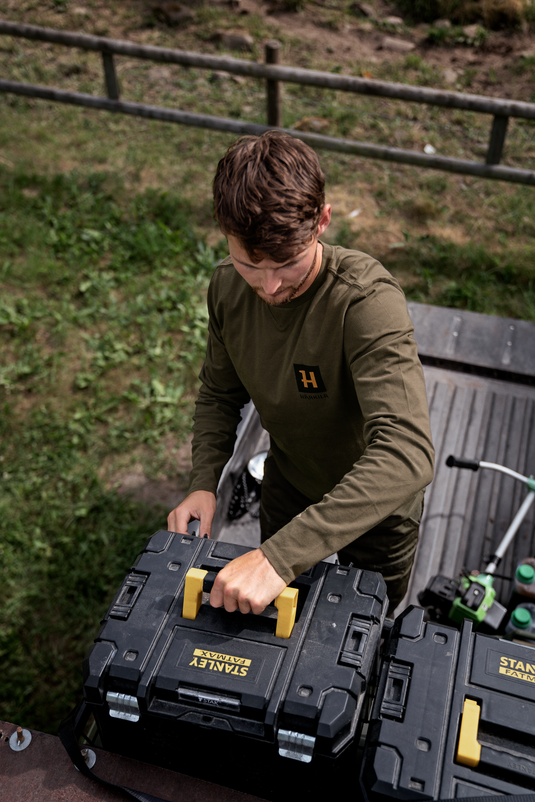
[
  {"x": 106, "y": 245},
  {"x": 467, "y": 277},
  {"x": 102, "y": 329}
]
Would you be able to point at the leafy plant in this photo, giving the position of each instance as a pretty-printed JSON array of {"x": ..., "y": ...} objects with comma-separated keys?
[{"x": 457, "y": 35}]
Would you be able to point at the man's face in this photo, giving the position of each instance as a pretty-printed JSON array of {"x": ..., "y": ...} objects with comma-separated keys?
[{"x": 276, "y": 283}]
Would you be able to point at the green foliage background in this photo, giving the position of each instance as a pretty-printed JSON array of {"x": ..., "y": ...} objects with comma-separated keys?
[{"x": 102, "y": 329}]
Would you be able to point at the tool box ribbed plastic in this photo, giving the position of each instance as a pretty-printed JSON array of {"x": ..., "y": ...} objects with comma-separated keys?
[
  {"x": 221, "y": 696},
  {"x": 454, "y": 715}
]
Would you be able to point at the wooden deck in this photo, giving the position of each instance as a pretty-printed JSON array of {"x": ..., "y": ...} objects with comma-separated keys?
[{"x": 44, "y": 773}]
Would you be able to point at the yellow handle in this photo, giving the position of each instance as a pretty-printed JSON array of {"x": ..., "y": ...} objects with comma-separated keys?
[
  {"x": 469, "y": 750},
  {"x": 286, "y": 603},
  {"x": 193, "y": 593}
]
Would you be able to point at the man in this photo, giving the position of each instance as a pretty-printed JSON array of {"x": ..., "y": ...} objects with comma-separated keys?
[{"x": 320, "y": 338}]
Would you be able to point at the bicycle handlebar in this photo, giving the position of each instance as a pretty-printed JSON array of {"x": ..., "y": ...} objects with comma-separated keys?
[{"x": 460, "y": 462}]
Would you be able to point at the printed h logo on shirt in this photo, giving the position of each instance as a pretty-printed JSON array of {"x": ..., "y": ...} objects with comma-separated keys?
[{"x": 309, "y": 379}]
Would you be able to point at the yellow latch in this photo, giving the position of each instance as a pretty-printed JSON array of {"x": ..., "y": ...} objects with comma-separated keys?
[
  {"x": 193, "y": 593},
  {"x": 286, "y": 603},
  {"x": 469, "y": 750}
]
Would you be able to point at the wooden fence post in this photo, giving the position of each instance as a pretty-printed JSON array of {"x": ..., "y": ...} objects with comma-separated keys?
[
  {"x": 497, "y": 139},
  {"x": 273, "y": 88},
  {"x": 112, "y": 84}
]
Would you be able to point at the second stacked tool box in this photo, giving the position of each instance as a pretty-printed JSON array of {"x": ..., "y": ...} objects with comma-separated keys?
[
  {"x": 454, "y": 715},
  {"x": 219, "y": 695}
]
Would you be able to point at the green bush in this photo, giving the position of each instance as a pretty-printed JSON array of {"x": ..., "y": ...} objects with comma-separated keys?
[{"x": 492, "y": 13}]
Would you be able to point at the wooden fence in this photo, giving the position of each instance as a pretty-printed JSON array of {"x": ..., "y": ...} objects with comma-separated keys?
[{"x": 275, "y": 74}]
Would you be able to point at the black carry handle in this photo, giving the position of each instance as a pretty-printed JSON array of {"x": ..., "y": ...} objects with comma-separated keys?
[
  {"x": 68, "y": 737},
  {"x": 461, "y": 462},
  {"x": 208, "y": 581},
  {"x": 208, "y": 584}
]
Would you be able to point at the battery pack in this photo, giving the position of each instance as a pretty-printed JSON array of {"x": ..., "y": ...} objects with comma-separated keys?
[{"x": 246, "y": 701}]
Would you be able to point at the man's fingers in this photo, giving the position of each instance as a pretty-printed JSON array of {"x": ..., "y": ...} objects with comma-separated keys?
[
  {"x": 205, "y": 525},
  {"x": 198, "y": 506},
  {"x": 178, "y": 520},
  {"x": 223, "y": 594},
  {"x": 247, "y": 583},
  {"x": 216, "y": 594},
  {"x": 257, "y": 608}
]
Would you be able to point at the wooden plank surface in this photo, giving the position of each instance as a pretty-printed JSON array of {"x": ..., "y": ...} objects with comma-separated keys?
[
  {"x": 466, "y": 513},
  {"x": 44, "y": 773}
]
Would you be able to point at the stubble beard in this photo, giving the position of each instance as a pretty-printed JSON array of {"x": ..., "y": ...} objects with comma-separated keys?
[{"x": 294, "y": 291}]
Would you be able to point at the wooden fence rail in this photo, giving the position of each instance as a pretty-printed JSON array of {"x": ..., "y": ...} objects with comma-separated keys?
[{"x": 275, "y": 74}]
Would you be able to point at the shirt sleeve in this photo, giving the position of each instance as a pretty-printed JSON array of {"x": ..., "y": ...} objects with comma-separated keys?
[
  {"x": 397, "y": 461},
  {"x": 217, "y": 410}
]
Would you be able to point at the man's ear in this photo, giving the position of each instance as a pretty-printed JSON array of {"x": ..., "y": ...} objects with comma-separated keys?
[{"x": 325, "y": 218}]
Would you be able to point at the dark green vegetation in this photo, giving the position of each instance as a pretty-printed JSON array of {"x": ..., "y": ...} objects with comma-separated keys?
[
  {"x": 493, "y": 13},
  {"x": 102, "y": 328},
  {"x": 468, "y": 277}
]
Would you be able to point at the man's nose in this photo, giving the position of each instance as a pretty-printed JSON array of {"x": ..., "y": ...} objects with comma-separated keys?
[{"x": 272, "y": 282}]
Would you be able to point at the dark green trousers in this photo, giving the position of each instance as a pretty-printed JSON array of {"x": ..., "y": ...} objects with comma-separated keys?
[{"x": 388, "y": 548}]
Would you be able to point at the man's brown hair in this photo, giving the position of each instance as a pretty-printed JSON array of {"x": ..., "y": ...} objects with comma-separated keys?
[{"x": 269, "y": 192}]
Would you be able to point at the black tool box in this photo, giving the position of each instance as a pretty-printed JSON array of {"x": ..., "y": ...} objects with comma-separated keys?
[
  {"x": 220, "y": 695},
  {"x": 454, "y": 715}
]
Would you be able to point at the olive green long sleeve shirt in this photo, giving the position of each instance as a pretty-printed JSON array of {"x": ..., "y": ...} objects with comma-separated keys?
[{"x": 336, "y": 379}]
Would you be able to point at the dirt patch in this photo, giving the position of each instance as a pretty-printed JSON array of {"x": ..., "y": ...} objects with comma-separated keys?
[
  {"x": 326, "y": 35},
  {"x": 455, "y": 234},
  {"x": 156, "y": 493},
  {"x": 164, "y": 490},
  {"x": 358, "y": 213}
]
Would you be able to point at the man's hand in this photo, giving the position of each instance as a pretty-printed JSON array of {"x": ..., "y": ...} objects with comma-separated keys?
[
  {"x": 200, "y": 506},
  {"x": 248, "y": 583}
]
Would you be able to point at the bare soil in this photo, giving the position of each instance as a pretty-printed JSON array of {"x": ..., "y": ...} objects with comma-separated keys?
[{"x": 488, "y": 65}]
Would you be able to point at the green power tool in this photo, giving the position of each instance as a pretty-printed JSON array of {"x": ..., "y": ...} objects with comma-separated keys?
[{"x": 473, "y": 595}]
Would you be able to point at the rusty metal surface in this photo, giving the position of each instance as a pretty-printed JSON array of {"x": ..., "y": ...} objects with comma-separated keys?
[{"x": 44, "y": 773}]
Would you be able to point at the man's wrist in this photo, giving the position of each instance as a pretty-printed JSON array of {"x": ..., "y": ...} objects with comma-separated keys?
[{"x": 271, "y": 554}]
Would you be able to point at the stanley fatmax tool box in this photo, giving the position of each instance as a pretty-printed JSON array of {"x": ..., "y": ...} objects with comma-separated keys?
[
  {"x": 454, "y": 715},
  {"x": 223, "y": 695}
]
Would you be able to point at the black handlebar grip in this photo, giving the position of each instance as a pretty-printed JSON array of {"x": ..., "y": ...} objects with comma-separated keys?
[
  {"x": 460, "y": 462},
  {"x": 208, "y": 582}
]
